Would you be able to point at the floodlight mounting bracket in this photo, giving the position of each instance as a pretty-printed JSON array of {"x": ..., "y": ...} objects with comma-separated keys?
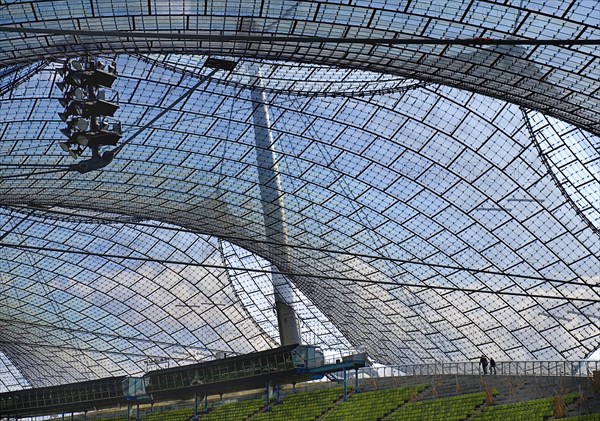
[{"x": 96, "y": 162}]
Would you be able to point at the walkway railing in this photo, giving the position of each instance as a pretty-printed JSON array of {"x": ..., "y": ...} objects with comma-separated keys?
[{"x": 512, "y": 368}]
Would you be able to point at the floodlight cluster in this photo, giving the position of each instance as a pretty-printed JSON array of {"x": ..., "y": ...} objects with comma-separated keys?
[{"x": 88, "y": 103}]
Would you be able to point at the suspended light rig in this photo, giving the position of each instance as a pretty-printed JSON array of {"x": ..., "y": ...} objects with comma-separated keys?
[{"x": 89, "y": 103}]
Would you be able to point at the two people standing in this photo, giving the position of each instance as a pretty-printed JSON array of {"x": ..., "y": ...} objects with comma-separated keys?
[{"x": 483, "y": 363}]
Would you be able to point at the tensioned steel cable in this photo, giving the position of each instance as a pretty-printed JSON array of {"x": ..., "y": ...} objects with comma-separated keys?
[
  {"x": 297, "y": 93},
  {"x": 10, "y": 164},
  {"x": 188, "y": 93},
  {"x": 241, "y": 240},
  {"x": 19, "y": 77},
  {"x": 269, "y": 39},
  {"x": 553, "y": 176},
  {"x": 322, "y": 277},
  {"x": 97, "y": 351},
  {"x": 6, "y": 177},
  {"x": 107, "y": 335}
]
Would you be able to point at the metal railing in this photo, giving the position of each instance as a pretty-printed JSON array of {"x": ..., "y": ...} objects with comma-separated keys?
[{"x": 508, "y": 368}]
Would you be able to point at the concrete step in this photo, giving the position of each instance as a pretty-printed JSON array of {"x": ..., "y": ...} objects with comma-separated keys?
[{"x": 587, "y": 404}]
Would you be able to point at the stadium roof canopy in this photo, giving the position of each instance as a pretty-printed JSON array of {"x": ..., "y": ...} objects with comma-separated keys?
[{"x": 441, "y": 198}]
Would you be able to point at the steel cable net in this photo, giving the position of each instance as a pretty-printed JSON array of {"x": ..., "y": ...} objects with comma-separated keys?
[
  {"x": 93, "y": 315},
  {"x": 425, "y": 221}
]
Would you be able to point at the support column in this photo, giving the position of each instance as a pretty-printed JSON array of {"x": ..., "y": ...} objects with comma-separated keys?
[
  {"x": 268, "y": 407},
  {"x": 195, "y": 405},
  {"x": 274, "y": 216},
  {"x": 345, "y": 385}
]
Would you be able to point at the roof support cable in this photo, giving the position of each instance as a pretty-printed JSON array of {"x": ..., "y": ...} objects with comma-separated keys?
[
  {"x": 20, "y": 74},
  {"x": 553, "y": 176},
  {"x": 326, "y": 277},
  {"x": 241, "y": 241},
  {"x": 270, "y": 39}
]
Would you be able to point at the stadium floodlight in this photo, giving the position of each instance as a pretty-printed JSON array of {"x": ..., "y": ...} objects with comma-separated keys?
[
  {"x": 75, "y": 65},
  {"x": 76, "y": 94},
  {"x": 72, "y": 101},
  {"x": 86, "y": 105},
  {"x": 80, "y": 123},
  {"x": 101, "y": 74},
  {"x": 75, "y": 125},
  {"x": 99, "y": 108},
  {"x": 75, "y": 152},
  {"x": 75, "y": 79},
  {"x": 216, "y": 63},
  {"x": 82, "y": 139}
]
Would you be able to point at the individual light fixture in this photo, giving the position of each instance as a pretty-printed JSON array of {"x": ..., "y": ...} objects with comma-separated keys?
[
  {"x": 76, "y": 124},
  {"x": 102, "y": 138},
  {"x": 77, "y": 94},
  {"x": 73, "y": 103},
  {"x": 74, "y": 152},
  {"x": 75, "y": 65},
  {"x": 99, "y": 73},
  {"x": 76, "y": 109},
  {"x": 80, "y": 123},
  {"x": 74, "y": 79},
  {"x": 82, "y": 139},
  {"x": 100, "y": 108}
]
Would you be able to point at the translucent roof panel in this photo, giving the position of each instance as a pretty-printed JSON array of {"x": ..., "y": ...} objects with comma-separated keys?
[{"x": 439, "y": 200}]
